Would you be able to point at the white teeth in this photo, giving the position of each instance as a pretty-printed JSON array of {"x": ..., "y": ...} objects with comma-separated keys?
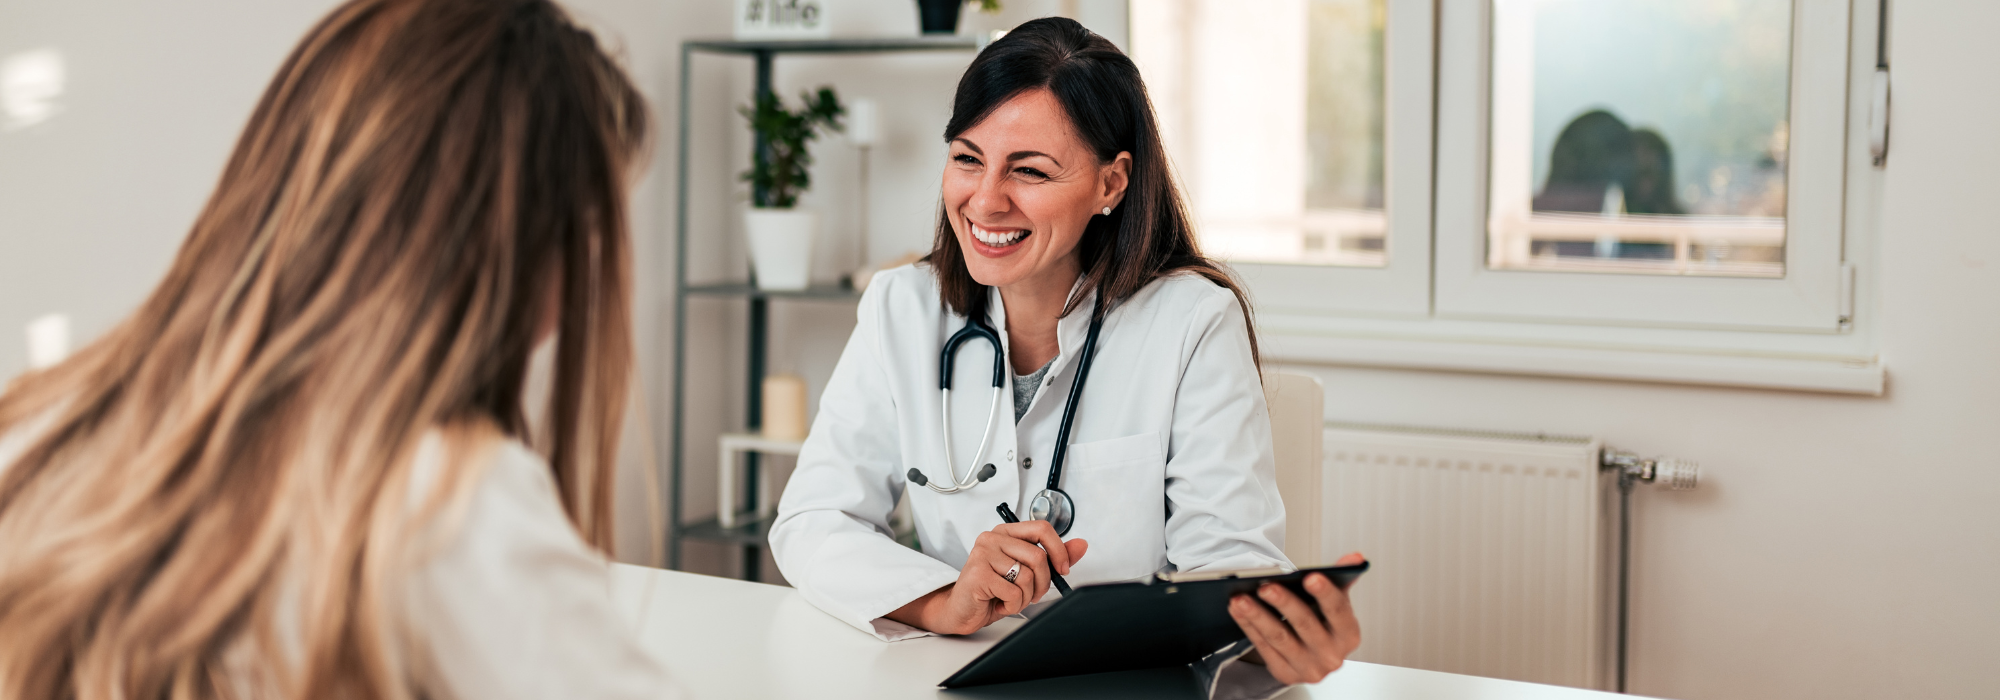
[{"x": 998, "y": 240}]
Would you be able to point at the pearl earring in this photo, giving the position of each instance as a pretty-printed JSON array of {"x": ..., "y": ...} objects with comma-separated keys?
[{"x": 1107, "y": 211}]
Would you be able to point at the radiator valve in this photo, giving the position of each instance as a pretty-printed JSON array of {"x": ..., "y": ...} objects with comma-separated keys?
[{"x": 1675, "y": 474}]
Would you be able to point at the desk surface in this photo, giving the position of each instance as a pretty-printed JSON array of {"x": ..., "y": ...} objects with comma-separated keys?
[{"x": 735, "y": 639}]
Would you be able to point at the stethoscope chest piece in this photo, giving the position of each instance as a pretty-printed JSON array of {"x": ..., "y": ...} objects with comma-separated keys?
[{"x": 1054, "y": 506}]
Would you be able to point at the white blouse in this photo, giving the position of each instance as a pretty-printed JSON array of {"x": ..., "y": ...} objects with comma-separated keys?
[{"x": 516, "y": 605}]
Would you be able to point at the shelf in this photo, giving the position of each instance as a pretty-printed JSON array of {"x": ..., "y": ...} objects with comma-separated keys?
[
  {"x": 825, "y": 46},
  {"x": 820, "y": 291},
  {"x": 758, "y": 442},
  {"x": 733, "y": 443},
  {"x": 750, "y": 531}
]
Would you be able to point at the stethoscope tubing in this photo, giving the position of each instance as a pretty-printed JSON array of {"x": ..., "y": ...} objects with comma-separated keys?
[
  {"x": 1075, "y": 395},
  {"x": 974, "y": 329},
  {"x": 985, "y": 441}
]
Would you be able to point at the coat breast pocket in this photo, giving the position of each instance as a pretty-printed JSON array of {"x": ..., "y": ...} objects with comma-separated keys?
[{"x": 1119, "y": 489}]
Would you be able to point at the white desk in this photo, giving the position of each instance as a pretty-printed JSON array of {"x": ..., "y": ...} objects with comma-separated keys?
[{"x": 725, "y": 638}]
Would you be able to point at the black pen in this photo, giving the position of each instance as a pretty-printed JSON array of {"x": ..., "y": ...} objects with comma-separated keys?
[{"x": 1007, "y": 514}]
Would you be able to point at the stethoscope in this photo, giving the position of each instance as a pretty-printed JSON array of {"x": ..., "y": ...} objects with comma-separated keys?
[{"x": 1052, "y": 504}]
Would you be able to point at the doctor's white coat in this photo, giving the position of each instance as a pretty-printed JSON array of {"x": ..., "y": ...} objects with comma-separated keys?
[{"x": 1170, "y": 461}]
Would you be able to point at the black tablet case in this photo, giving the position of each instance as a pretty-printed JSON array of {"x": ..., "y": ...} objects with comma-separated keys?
[{"x": 1126, "y": 626}]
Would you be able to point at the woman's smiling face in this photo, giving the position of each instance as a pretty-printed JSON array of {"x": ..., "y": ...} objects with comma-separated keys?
[{"x": 1019, "y": 189}]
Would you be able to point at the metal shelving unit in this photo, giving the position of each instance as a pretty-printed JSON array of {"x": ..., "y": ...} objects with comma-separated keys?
[{"x": 751, "y": 532}]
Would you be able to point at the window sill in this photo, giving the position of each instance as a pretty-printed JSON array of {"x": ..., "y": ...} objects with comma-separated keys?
[{"x": 1824, "y": 364}]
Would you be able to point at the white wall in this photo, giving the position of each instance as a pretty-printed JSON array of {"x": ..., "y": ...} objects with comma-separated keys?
[
  {"x": 94, "y": 201},
  {"x": 1839, "y": 547}
]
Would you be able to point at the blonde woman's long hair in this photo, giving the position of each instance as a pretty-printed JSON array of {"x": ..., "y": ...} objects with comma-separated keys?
[{"x": 229, "y": 471}]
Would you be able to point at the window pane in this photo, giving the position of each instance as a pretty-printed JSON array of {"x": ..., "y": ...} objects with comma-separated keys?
[
  {"x": 1640, "y": 136},
  {"x": 1344, "y": 224},
  {"x": 1274, "y": 120}
]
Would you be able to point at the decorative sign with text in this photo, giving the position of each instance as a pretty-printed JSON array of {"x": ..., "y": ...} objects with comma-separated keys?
[{"x": 781, "y": 19}]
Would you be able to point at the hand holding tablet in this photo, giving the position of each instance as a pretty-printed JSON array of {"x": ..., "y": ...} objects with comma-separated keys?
[
  {"x": 1301, "y": 635},
  {"x": 1164, "y": 621}
]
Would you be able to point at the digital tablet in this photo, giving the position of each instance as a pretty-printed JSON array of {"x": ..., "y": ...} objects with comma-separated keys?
[{"x": 1160, "y": 622}]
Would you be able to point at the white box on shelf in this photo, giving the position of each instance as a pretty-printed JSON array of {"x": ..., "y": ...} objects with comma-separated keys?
[
  {"x": 782, "y": 19},
  {"x": 731, "y": 444}
]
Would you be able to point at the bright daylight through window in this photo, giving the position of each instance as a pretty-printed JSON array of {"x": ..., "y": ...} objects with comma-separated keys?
[
  {"x": 1275, "y": 122},
  {"x": 1344, "y": 223},
  {"x": 1640, "y": 136}
]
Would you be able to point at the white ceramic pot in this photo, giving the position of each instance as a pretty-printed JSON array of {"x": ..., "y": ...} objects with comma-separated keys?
[{"x": 780, "y": 246}]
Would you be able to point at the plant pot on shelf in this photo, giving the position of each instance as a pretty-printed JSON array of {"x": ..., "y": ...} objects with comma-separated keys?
[
  {"x": 939, "y": 16},
  {"x": 780, "y": 246}
]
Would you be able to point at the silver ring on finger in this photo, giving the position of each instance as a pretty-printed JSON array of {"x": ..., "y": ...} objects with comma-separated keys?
[{"x": 1013, "y": 573}]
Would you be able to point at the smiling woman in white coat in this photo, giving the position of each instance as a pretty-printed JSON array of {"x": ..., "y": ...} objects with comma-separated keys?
[{"x": 1060, "y": 223}]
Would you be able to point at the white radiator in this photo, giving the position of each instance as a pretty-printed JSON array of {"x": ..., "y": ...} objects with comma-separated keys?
[{"x": 1493, "y": 554}]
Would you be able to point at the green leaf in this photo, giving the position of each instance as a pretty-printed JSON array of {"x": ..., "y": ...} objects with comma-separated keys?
[{"x": 782, "y": 176}]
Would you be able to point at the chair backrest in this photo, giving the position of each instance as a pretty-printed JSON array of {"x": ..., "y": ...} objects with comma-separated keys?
[{"x": 1298, "y": 415}]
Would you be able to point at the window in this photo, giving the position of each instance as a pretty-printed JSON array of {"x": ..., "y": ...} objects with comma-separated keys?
[
  {"x": 1339, "y": 218},
  {"x": 1510, "y": 246},
  {"x": 1562, "y": 184},
  {"x": 1641, "y": 136},
  {"x": 1286, "y": 125}
]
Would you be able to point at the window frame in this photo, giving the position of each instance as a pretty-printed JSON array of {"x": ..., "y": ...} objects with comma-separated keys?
[
  {"x": 1806, "y": 299},
  {"x": 1310, "y": 314}
]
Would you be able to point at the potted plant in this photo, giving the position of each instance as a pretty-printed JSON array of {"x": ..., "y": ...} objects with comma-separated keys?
[
  {"x": 780, "y": 235},
  {"x": 941, "y": 16}
]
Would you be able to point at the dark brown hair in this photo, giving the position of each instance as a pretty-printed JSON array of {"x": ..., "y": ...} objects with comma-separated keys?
[
  {"x": 1150, "y": 234},
  {"x": 417, "y": 181}
]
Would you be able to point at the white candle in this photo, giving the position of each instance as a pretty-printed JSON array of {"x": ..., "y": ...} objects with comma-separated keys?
[{"x": 785, "y": 407}]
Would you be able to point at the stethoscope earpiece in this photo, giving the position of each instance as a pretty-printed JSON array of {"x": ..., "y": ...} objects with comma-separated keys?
[{"x": 917, "y": 475}]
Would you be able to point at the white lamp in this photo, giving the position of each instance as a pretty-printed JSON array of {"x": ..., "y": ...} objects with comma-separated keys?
[
  {"x": 861, "y": 124},
  {"x": 862, "y": 130}
]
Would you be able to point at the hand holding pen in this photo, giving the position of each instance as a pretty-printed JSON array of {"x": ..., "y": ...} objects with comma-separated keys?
[
  {"x": 1007, "y": 515},
  {"x": 1009, "y": 568}
]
